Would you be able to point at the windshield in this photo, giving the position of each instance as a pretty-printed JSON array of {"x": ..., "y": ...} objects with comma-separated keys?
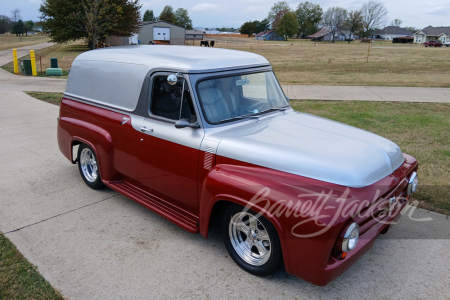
[{"x": 240, "y": 96}]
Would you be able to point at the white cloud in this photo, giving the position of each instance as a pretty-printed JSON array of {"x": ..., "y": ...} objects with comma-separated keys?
[
  {"x": 256, "y": 8},
  {"x": 205, "y": 7}
]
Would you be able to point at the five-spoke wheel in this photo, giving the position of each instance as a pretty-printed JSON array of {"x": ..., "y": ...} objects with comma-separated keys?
[
  {"x": 88, "y": 166},
  {"x": 251, "y": 240}
]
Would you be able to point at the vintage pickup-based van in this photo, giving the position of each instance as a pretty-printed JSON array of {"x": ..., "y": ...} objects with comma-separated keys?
[{"x": 200, "y": 133}]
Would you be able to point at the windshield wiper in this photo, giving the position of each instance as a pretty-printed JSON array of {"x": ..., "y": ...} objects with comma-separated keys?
[
  {"x": 257, "y": 115},
  {"x": 241, "y": 117},
  {"x": 282, "y": 108}
]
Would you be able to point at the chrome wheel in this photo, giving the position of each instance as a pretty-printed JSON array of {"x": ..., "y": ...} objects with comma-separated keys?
[
  {"x": 88, "y": 164},
  {"x": 249, "y": 239}
]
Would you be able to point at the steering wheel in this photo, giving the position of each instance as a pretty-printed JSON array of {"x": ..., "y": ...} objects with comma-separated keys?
[{"x": 255, "y": 107}]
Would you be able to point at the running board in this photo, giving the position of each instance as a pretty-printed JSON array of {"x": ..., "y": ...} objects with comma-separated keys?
[{"x": 181, "y": 217}]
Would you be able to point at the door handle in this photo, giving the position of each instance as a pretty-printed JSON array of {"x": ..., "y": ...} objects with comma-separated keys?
[
  {"x": 144, "y": 129},
  {"x": 124, "y": 120}
]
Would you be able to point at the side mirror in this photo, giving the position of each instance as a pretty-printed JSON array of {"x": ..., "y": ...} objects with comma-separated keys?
[
  {"x": 182, "y": 123},
  {"x": 172, "y": 79},
  {"x": 288, "y": 100}
]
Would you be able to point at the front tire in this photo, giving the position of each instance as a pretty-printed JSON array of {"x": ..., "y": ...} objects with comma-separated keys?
[
  {"x": 252, "y": 242},
  {"x": 88, "y": 166}
]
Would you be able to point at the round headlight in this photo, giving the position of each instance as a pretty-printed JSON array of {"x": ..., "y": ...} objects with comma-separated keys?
[
  {"x": 351, "y": 238},
  {"x": 413, "y": 183}
]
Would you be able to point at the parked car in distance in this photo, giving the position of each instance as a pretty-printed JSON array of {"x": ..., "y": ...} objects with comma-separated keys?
[
  {"x": 433, "y": 44},
  {"x": 196, "y": 134},
  {"x": 447, "y": 44}
]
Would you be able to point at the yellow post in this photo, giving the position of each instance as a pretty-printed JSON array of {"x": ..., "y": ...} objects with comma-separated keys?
[
  {"x": 33, "y": 62},
  {"x": 16, "y": 65}
]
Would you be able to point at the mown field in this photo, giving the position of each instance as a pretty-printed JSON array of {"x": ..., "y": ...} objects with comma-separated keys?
[
  {"x": 420, "y": 129},
  {"x": 12, "y": 41},
  {"x": 304, "y": 62}
]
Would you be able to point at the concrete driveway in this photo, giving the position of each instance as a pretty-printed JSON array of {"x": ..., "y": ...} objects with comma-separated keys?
[{"x": 101, "y": 245}]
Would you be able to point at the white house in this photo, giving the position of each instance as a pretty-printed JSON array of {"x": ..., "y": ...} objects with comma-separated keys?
[
  {"x": 194, "y": 34},
  {"x": 391, "y": 32},
  {"x": 427, "y": 34}
]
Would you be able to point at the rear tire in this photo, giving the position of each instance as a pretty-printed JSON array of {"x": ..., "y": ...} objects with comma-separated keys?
[
  {"x": 252, "y": 243},
  {"x": 89, "y": 168}
]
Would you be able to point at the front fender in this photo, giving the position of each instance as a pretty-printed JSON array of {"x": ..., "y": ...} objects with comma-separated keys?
[{"x": 275, "y": 195}]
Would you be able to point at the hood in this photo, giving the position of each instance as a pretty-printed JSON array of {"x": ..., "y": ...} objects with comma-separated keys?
[{"x": 313, "y": 147}]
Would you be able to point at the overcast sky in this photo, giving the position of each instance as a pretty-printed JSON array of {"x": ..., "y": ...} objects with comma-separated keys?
[{"x": 232, "y": 13}]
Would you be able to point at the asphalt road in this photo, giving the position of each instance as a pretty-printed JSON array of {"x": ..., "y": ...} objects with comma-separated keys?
[{"x": 100, "y": 245}]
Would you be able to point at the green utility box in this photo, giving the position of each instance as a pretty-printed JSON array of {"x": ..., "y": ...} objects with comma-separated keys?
[
  {"x": 53, "y": 62},
  {"x": 25, "y": 66},
  {"x": 54, "y": 72}
]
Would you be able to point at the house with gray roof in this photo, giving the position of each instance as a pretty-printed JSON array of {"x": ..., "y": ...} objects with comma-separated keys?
[
  {"x": 427, "y": 34},
  {"x": 391, "y": 32}
]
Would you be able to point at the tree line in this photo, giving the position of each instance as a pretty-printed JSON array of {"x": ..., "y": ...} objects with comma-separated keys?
[
  {"x": 14, "y": 24},
  {"x": 308, "y": 17},
  {"x": 179, "y": 17}
]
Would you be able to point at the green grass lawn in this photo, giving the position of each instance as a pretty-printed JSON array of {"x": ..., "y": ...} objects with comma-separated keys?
[
  {"x": 53, "y": 98},
  {"x": 420, "y": 129},
  {"x": 19, "y": 279}
]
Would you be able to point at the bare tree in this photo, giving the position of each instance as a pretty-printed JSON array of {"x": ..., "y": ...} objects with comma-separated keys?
[
  {"x": 374, "y": 15},
  {"x": 335, "y": 18},
  {"x": 15, "y": 14},
  {"x": 396, "y": 22}
]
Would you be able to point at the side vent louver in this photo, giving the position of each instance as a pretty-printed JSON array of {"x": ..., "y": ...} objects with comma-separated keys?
[{"x": 209, "y": 156}]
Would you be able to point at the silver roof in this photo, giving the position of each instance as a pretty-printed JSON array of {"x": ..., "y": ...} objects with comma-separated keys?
[{"x": 183, "y": 58}]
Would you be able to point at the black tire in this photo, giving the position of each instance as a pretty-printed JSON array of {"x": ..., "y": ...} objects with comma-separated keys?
[
  {"x": 92, "y": 182},
  {"x": 275, "y": 259}
]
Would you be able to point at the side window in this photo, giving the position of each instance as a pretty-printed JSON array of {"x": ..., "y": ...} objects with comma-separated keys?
[{"x": 166, "y": 100}]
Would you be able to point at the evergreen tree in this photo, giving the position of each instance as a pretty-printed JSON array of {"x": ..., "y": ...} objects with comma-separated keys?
[{"x": 167, "y": 14}]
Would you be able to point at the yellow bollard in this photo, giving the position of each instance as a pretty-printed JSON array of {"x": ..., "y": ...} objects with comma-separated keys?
[
  {"x": 33, "y": 62},
  {"x": 16, "y": 65}
]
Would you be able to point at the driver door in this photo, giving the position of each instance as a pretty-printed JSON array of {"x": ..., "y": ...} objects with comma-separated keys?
[{"x": 169, "y": 156}]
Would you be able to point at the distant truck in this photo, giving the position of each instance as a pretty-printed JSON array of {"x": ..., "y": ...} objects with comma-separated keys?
[
  {"x": 433, "y": 44},
  {"x": 447, "y": 44}
]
